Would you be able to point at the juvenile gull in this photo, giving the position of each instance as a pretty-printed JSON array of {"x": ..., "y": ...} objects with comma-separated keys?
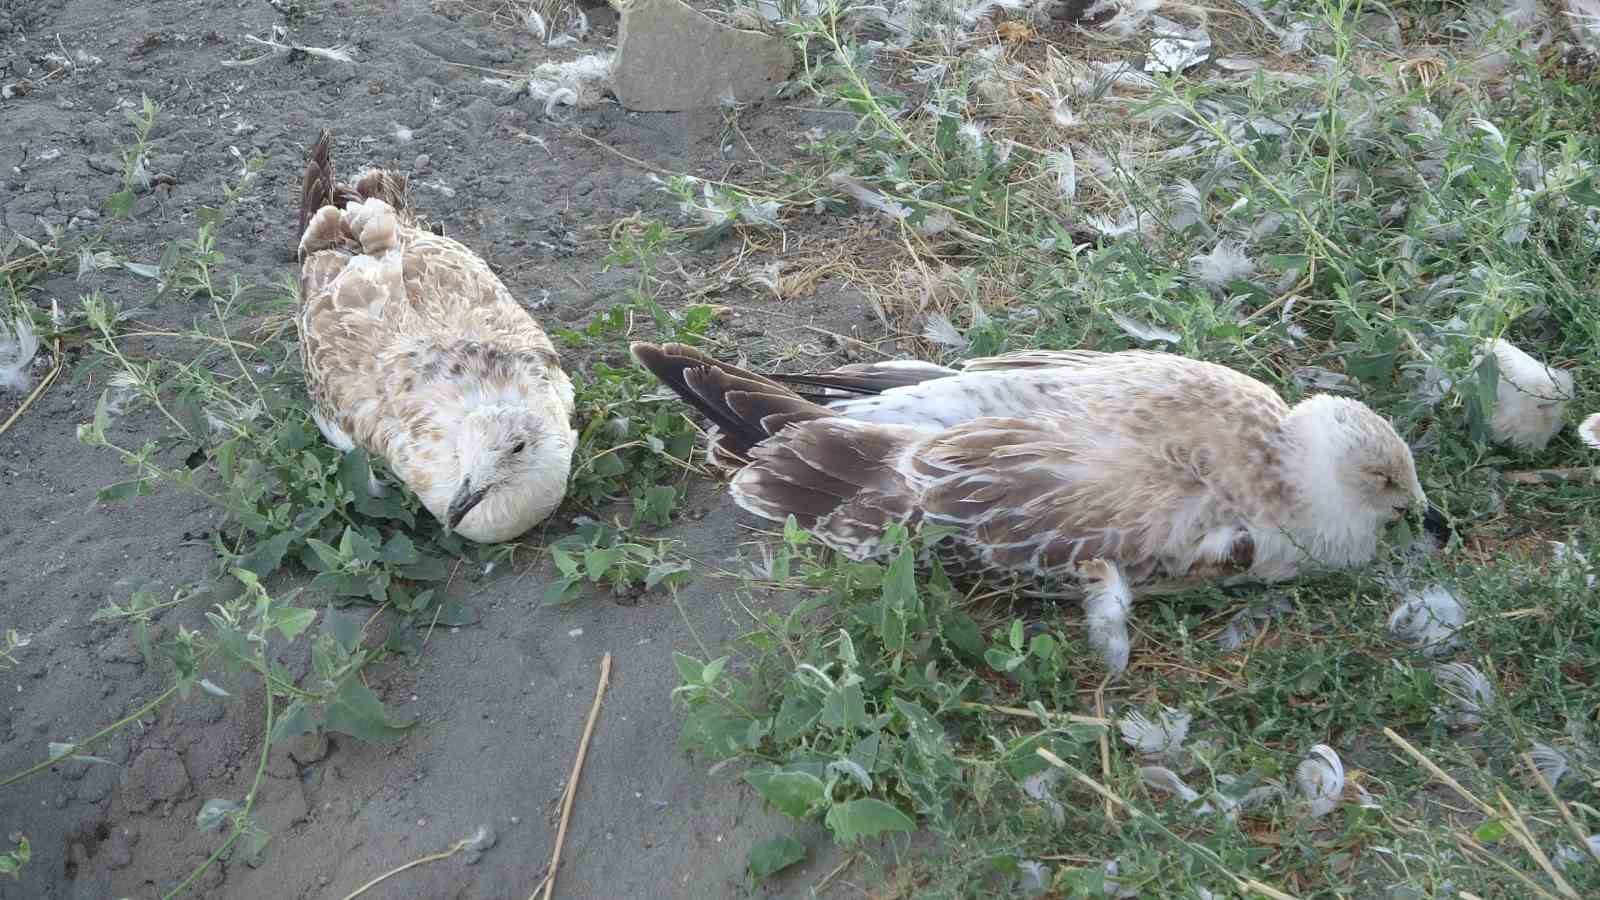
[
  {"x": 416, "y": 352},
  {"x": 1075, "y": 474}
]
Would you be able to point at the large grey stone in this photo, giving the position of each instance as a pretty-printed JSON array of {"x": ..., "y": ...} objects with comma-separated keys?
[{"x": 670, "y": 57}]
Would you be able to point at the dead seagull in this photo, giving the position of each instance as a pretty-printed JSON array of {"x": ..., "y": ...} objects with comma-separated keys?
[
  {"x": 1074, "y": 473},
  {"x": 416, "y": 352}
]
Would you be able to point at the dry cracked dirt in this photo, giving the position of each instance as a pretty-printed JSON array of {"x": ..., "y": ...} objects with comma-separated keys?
[{"x": 500, "y": 704}]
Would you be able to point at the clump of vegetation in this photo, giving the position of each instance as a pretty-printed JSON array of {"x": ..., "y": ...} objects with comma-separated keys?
[{"x": 1328, "y": 211}]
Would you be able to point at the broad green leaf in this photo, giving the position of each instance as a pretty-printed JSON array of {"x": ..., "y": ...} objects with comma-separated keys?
[
  {"x": 668, "y": 572},
  {"x": 865, "y": 818},
  {"x": 689, "y": 668},
  {"x": 265, "y": 557},
  {"x": 214, "y": 813},
  {"x": 794, "y": 793},
  {"x": 775, "y": 854},
  {"x": 295, "y": 721},
  {"x": 330, "y": 557},
  {"x": 844, "y": 708},
  {"x": 795, "y": 716},
  {"x": 454, "y": 613},
  {"x": 123, "y": 490},
  {"x": 290, "y": 621},
  {"x": 561, "y": 592},
  {"x": 358, "y": 712},
  {"x": 1490, "y": 831},
  {"x": 344, "y": 627},
  {"x": 400, "y": 550}
]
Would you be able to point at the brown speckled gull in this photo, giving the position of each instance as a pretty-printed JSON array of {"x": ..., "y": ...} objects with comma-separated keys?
[{"x": 1068, "y": 473}]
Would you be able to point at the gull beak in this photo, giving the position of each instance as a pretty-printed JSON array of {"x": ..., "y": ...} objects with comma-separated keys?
[{"x": 462, "y": 503}]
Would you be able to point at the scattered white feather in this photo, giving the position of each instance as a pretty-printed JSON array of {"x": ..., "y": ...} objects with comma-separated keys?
[
  {"x": 1489, "y": 128},
  {"x": 938, "y": 329},
  {"x": 1248, "y": 622},
  {"x": 1429, "y": 619},
  {"x": 1584, "y": 18},
  {"x": 1114, "y": 888},
  {"x": 1470, "y": 691},
  {"x": 869, "y": 197},
  {"x": 1126, "y": 222},
  {"x": 1161, "y": 737},
  {"x": 1562, "y": 554},
  {"x": 1065, "y": 168},
  {"x": 1037, "y": 787},
  {"x": 1567, "y": 855},
  {"x": 1167, "y": 781},
  {"x": 1320, "y": 777},
  {"x": 973, "y": 134},
  {"x": 1590, "y": 431},
  {"x": 18, "y": 345},
  {"x": 1530, "y": 400},
  {"x": 1316, "y": 378},
  {"x": 580, "y": 83},
  {"x": 1144, "y": 331},
  {"x": 1185, "y": 207},
  {"x": 1551, "y": 763},
  {"x": 1226, "y": 263}
]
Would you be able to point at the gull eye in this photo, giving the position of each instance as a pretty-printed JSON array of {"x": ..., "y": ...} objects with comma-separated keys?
[{"x": 518, "y": 447}]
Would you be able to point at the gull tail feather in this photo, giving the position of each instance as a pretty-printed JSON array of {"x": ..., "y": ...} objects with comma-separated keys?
[
  {"x": 868, "y": 378},
  {"x": 745, "y": 408},
  {"x": 320, "y": 188}
]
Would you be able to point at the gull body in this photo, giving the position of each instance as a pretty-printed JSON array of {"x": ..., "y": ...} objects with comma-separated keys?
[
  {"x": 416, "y": 352},
  {"x": 1074, "y": 473}
]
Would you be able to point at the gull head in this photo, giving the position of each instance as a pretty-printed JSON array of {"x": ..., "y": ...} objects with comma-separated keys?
[
  {"x": 513, "y": 466},
  {"x": 1356, "y": 475}
]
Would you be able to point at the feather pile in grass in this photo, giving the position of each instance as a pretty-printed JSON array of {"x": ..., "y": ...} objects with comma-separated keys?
[{"x": 18, "y": 345}]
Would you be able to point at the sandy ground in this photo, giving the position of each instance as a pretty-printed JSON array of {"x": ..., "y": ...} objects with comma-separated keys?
[{"x": 499, "y": 705}]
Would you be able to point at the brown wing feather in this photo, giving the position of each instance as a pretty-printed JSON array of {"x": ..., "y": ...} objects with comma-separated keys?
[{"x": 745, "y": 407}]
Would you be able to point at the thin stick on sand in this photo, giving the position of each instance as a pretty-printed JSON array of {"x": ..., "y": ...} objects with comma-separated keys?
[{"x": 549, "y": 883}]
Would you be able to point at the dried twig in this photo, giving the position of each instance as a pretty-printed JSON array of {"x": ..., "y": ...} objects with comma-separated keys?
[
  {"x": 1524, "y": 836},
  {"x": 1563, "y": 475},
  {"x": 455, "y": 848},
  {"x": 1467, "y": 843},
  {"x": 1243, "y": 885},
  {"x": 549, "y": 883},
  {"x": 1566, "y": 814},
  {"x": 1439, "y": 773}
]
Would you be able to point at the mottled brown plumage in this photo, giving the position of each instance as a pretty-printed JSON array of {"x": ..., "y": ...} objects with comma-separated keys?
[
  {"x": 1171, "y": 470},
  {"x": 415, "y": 351}
]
